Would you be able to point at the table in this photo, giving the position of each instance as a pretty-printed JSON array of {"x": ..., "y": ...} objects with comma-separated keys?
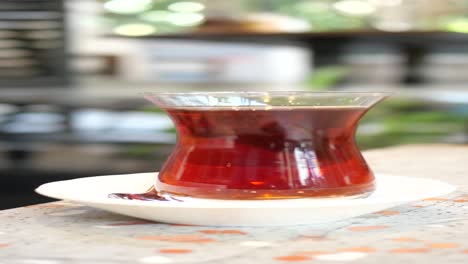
[{"x": 429, "y": 231}]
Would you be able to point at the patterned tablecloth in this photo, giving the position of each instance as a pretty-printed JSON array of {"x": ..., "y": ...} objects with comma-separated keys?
[{"x": 429, "y": 231}]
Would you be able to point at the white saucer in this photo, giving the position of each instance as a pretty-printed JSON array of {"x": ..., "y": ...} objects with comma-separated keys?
[{"x": 93, "y": 191}]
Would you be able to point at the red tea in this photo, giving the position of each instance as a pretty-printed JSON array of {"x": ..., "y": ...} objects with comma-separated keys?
[{"x": 266, "y": 153}]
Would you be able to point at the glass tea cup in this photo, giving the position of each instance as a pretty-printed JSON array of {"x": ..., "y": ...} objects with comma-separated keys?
[{"x": 265, "y": 145}]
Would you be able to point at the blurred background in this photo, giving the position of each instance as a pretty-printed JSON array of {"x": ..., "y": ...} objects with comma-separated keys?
[{"x": 72, "y": 73}]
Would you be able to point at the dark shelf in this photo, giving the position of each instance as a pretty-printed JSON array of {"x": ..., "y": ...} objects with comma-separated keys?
[{"x": 419, "y": 37}]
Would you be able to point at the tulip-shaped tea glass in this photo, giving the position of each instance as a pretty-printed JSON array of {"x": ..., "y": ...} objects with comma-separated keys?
[{"x": 265, "y": 145}]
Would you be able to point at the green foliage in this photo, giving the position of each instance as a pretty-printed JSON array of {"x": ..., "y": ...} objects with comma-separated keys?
[
  {"x": 405, "y": 121},
  {"x": 326, "y": 77}
]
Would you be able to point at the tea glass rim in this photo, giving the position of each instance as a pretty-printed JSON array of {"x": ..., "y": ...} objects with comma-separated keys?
[
  {"x": 271, "y": 93},
  {"x": 255, "y": 99}
]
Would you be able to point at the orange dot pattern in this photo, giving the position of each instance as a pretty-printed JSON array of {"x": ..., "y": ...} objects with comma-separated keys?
[
  {"x": 388, "y": 212},
  {"x": 293, "y": 258},
  {"x": 358, "y": 249},
  {"x": 436, "y": 199},
  {"x": 175, "y": 251},
  {"x": 410, "y": 250},
  {"x": 222, "y": 232},
  {"x": 443, "y": 245},
  {"x": 3, "y": 245}
]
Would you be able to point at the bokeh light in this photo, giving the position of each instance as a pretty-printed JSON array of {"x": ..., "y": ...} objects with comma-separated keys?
[
  {"x": 186, "y": 7},
  {"x": 135, "y": 29},
  {"x": 354, "y": 7},
  {"x": 458, "y": 25},
  {"x": 156, "y": 16},
  {"x": 127, "y": 6},
  {"x": 185, "y": 19}
]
